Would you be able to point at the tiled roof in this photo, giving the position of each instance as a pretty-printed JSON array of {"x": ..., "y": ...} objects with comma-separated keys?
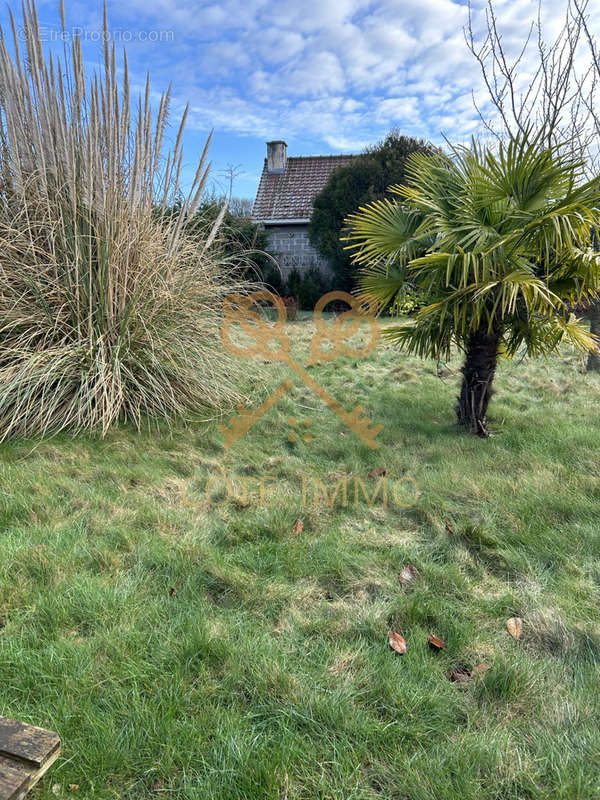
[{"x": 290, "y": 194}]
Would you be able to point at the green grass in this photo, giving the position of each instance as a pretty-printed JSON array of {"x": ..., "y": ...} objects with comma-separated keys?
[{"x": 196, "y": 651}]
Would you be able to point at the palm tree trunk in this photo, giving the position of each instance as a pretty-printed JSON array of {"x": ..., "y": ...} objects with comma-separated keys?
[
  {"x": 478, "y": 375},
  {"x": 593, "y": 363}
]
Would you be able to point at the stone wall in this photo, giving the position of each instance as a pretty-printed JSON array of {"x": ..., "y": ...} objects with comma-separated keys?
[{"x": 289, "y": 244}]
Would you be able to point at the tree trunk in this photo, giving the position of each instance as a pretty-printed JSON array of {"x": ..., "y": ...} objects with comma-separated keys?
[
  {"x": 478, "y": 374},
  {"x": 593, "y": 363}
]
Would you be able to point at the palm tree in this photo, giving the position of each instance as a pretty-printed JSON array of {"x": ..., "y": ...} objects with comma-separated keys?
[
  {"x": 499, "y": 243},
  {"x": 593, "y": 363}
]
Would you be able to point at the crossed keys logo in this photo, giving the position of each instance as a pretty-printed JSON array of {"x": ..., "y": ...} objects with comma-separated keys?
[{"x": 243, "y": 314}]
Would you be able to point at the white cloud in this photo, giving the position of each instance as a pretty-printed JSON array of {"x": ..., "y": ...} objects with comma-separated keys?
[
  {"x": 339, "y": 71},
  {"x": 396, "y": 109}
]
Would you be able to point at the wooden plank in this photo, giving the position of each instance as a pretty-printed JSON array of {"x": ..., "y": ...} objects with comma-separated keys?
[
  {"x": 28, "y": 743},
  {"x": 26, "y": 753},
  {"x": 37, "y": 774},
  {"x": 15, "y": 778}
]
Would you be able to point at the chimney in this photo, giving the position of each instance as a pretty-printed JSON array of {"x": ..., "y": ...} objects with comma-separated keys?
[{"x": 276, "y": 156}]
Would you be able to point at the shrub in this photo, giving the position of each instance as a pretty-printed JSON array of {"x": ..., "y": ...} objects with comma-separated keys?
[
  {"x": 108, "y": 307},
  {"x": 241, "y": 241},
  {"x": 409, "y": 302},
  {"x": 365, "y": 179},
  {"x": 273, "y": 279},
  {"x": 308, "y": 287}
]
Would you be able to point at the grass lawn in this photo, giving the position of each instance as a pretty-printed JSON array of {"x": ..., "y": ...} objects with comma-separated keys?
[{"x": 195, "y": 650}]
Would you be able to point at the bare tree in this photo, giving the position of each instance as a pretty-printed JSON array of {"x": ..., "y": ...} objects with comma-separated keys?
[
  {"x": 240, "y": 207},
  {"x": 558, "y": 97},
  {"x": 590, "y": 102},
  {"x": 230, "y": 173}
]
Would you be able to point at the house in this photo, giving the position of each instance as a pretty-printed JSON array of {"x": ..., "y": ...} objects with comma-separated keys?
[{"x": 284, "y": 202}]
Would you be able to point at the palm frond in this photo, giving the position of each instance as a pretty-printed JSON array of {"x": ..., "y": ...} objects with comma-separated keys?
[
  {"x": 385, "y": 230},
  {"x": 503, "y": 236}
]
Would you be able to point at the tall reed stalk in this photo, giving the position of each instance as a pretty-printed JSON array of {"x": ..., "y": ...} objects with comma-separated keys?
[{"x": 109, "y": 309}]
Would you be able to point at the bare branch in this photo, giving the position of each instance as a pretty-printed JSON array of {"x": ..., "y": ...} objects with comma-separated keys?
[{"x": 557, "y": 99}]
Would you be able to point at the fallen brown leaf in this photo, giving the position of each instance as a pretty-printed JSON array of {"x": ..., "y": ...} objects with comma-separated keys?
[
  {"x": 436, "y": 643},
  {"x": 408, "y": 574},
  {"x": 377, "y": 472},
  {"x": 298, "y": 527},
  {"x": 397, "y": 642},
  {"x": 460, "y": 674},
  {"x": 514, "y": 626},
  {"x": 449, "y": 526},
  {"x": 479, "y": 670}
]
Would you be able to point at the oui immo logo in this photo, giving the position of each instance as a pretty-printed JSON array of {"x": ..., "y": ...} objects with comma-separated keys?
[
  {"x": 246, "y": 332},
  {"x": 220, "y": 489}
]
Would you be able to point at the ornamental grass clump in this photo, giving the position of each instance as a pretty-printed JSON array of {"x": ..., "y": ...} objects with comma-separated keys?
[{"x": 109, "y": 306}]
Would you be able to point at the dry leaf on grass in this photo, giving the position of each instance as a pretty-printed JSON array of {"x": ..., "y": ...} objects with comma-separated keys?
[
  {"x": 397, "y": 642},
  {"x": 479, "y": 670},
  {"x": 298, "y": 527},
  {"x": 408, "y": 574},
  {"x": 514, "y": 626},
  {"x": 377, "y": 472},
  {"x": 460, "y": 674},
  {"x": 436, "y": 643}
]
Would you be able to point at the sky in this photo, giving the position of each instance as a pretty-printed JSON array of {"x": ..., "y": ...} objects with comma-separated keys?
[{"x": 328, "y": 76}]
